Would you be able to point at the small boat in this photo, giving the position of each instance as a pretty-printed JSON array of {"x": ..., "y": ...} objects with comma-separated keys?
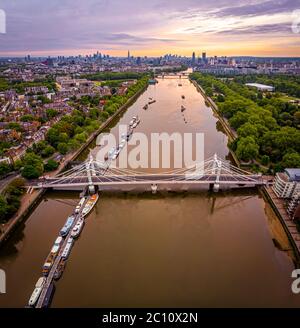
[
  {"x": 66, "y": 252},
  {"x": 90, "y": 204},
  {"x": 60, "y": 269},
  {"x": 50, "y": 260},
  {"x": 111, "y": 153},
  {"x": 46, "y": 268},
  {"x": 151, "y": 102},
  {"x": 145, "y": 107},
  {"x": 122, "y": 144},
  {"x": 66, "y": 228},
  {"x": 54, "y": 250},
  {"x": 49, "y": 296},
  {"x": 77, "y": 228},
  {"x": 182, "y": 108},
  {"x": 134, "y": 125},
  {"x": 132, "y": 122},
  {"x": 154, "y": 188},
  {"x": 80, "y": 204},
  {"x": 179, "y": 84},
  {"x": 37, "y": 291},
  {"x": 59, "y": 240},
  {"x": 183, "y": 96}
]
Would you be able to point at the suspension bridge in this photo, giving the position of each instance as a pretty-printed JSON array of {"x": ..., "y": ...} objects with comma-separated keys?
[{"x": 214, "y": 172}]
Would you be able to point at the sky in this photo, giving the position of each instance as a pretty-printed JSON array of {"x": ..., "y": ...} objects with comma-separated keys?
[{"x": 151, "y": 27}]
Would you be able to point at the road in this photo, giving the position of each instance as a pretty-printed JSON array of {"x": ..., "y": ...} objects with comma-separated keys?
[{"x": 4, "y": 182}]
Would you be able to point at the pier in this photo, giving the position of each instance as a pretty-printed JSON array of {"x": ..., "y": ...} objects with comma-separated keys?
[{"x": 50, "y": 277}]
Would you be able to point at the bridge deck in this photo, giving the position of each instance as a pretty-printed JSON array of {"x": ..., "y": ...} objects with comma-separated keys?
[{"x": 113, "y": 180}]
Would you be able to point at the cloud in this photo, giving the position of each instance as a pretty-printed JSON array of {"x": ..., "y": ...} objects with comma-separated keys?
[
  {"x": 58, "y": 25},
  {"x": 80, "y": 41},
  {"x": 259, "y": 8},
  {"x": 259, "y": 29}
]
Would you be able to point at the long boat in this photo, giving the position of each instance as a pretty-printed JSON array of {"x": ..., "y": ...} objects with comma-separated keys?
[
  {"x": 89, "y": 205},
  {"x": 66, "y": 228},
  {"x": 77, "y": 228},
  {"x": 37, "y": 291},
  {"x": 67, "y": 250},
  {"x": 60, "y": 269},
  {"x": 50, "y": 260}
]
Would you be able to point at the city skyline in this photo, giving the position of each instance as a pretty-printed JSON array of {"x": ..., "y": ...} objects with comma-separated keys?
[{"x": 253, "y": 28}]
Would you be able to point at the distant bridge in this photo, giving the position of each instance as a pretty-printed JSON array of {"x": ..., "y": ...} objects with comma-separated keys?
[
  {"x": 172, "y": 76},
  {"x": 213, "y": 172}
]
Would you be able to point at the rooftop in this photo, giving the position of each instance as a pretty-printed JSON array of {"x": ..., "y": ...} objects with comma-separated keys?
[
  {"x": 293, "y": 174},
  {"x": 260, "y": 86}
]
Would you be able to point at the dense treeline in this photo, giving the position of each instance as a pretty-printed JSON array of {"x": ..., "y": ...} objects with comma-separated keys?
[
  {"x": 10, "y": 199},
  {"x": 289, "y": 84},
  {"x": 105, "y": 76},
  {"x": 172, "y": 69},
  {"x": 20, "y": 86},
  {"x": 285, "y": 113},
  {"x": 267, "y": 128}
]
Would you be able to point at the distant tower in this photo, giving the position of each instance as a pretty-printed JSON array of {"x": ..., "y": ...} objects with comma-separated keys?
[
  {"x": 204, "y": 57},
  {"x": 128, "y": 55},
  {"x": 193, "y": 58}
]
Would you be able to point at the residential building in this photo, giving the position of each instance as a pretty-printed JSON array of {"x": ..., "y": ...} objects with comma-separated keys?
[
  {"x": 261, "y": 87},
  {"x": 294, "y": 206},
  {"x": 287, "y": 183}
]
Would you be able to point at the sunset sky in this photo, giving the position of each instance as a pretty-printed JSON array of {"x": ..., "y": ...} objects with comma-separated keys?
[{"x": 152, "y": 27}]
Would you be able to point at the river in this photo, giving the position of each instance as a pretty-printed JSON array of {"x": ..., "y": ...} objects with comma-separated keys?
[{"x": 165, "y": 250}]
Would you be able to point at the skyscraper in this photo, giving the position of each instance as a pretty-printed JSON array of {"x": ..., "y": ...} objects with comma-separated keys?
[
  {"x": 193, "y": 58},
  {"x": 128, "y": 55},
  {"x": 204, "y": 57}
]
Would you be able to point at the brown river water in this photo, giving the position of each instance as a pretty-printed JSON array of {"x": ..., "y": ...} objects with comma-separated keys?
[{"x": 165, "y": 250}]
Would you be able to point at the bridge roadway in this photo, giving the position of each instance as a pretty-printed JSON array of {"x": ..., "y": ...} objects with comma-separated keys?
[
  {"x": 57, "y": 260},
  {"x": 172, "y": 77},
  {"x": 113, "y": 180}
]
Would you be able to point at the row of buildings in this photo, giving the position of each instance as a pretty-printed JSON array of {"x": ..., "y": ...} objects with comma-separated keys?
[
  {"x": 24, "y": 117},
  {"x": 244, "y": 65}
]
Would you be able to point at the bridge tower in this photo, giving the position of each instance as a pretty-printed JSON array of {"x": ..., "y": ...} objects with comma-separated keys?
[
  {"x": 90, "y": 170},
  {"x": 217, "y": 167}
]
